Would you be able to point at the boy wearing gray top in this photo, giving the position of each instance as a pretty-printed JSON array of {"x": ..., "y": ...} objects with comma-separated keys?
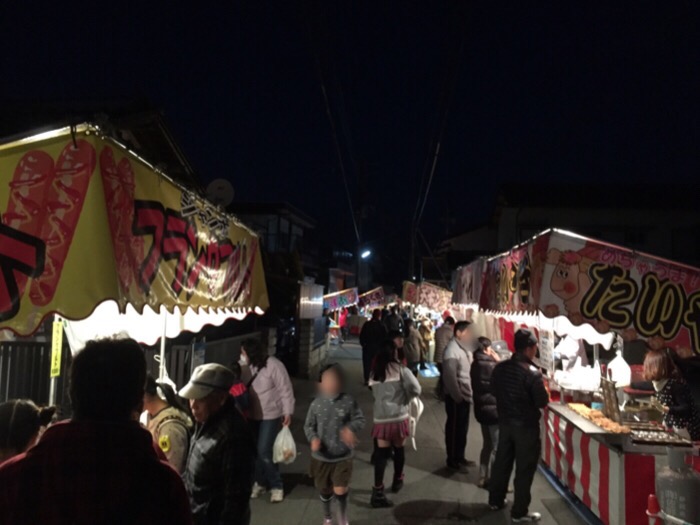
[{"x": 331, "y": 426}]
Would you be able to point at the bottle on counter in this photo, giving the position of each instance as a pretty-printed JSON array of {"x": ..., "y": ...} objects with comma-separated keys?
[{"x": 619, "y": 371}]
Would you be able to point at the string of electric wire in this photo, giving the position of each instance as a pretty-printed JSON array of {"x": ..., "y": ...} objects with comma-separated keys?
[
  {"x": 450, "y": 95},
  {"x": 336, "y": 141}
]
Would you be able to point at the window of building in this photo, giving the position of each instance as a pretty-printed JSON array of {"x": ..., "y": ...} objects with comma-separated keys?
[{"x": 297, "y": 238}]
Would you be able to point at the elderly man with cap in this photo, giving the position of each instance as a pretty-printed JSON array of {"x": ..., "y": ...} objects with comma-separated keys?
[
  {"x": 219, "y": 471},
  {"x": 520, "y": 394}
]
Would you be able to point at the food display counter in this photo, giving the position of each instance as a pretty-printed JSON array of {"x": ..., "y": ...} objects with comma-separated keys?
[{"x": 611, "y": 472}]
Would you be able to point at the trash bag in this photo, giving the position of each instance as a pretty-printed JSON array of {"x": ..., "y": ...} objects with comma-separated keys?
[{"x": 284, "y": 450}]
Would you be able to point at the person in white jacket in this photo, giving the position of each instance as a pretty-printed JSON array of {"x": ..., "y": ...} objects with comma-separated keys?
[
  {"x": 393, "y": 387},
  {"x": 456, "y": 368}
]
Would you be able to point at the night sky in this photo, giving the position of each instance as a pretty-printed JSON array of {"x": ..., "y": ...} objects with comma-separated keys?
[{"x": 557, "y": 93}]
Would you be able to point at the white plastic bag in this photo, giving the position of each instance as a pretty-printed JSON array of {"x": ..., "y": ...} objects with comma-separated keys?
[
  {"x": 284, "y": 450},
  {"x": 415, "y": 410}
]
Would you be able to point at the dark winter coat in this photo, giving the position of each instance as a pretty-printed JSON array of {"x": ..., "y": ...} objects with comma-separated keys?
[
  {"x": 520, "y": 393},
  {"x": 219, "y": 471},
  {"x": 485, "y": 409},
  {"x": 372, "y": 336}
]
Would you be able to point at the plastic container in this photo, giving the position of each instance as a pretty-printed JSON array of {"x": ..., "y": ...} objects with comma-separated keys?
[
  {"x": 678, "y": 487},
  {"x": 619, "y": 371}
]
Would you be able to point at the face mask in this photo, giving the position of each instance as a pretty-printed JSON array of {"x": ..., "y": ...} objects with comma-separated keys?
[{"x": 244, "y": 361}]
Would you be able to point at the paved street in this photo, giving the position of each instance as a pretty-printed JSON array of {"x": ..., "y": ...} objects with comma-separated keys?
[{"x": 432, "y": 495}]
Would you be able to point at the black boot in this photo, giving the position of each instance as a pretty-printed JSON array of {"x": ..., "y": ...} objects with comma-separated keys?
[
  {"x": 379, "y": 499},
  {"x": 397, "y": 485}
]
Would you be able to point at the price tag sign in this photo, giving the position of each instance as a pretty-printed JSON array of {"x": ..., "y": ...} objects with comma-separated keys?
[
  {"x": 56, "y": 347},
  {"x": 546, "y": 347}
]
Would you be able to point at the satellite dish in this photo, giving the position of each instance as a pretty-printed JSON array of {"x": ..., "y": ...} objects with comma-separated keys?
[{"x": 220, "y": 192}]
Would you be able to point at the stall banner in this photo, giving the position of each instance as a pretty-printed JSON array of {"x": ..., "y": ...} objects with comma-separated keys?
[
  {"x": 434, "y": 297},
  {"x": 372, "y": 299},
  {"x": 466, "y": 282},
  {"x": 338, "y": 300},
  {"x": 589, "y": 281},
  {"x": 410, "y": 292},
  {"x": 546, "y": 349},
  {"x": 85, "y": 221}
]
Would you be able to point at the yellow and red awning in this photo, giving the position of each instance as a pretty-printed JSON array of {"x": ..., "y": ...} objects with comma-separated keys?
[{"x": 86, "y": 221}]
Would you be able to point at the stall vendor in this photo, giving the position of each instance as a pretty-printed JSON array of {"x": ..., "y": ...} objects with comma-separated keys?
[{"x": 673, "y": 392}]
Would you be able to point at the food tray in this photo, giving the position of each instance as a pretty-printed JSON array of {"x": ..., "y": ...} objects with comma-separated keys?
[
  {"x": 658, "y": 437},
  {"x": 643, "y": 425}
]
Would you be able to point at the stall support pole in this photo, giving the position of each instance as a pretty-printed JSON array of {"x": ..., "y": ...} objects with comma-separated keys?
[
  {"x": 56, "y": 347},
  {"x": 161, "y": 371},
  {"x": 52, "y": 391}
]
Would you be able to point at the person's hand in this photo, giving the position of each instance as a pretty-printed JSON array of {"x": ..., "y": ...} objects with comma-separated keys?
[
  {"x": 286, "y": 421},
  {"x": 315, "y": 445},
  {"x": 348, "y": 437},
  {"x": 665, "y": 409}
]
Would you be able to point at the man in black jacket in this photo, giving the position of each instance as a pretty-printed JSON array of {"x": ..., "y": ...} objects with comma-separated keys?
[
  {"x": 219, "y": 471},
  {"x": 520, "y": 394},
  {"x": 372, "y": 336}
]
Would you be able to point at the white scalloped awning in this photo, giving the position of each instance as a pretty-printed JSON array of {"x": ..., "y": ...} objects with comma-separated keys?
[{"x": 147, "y": 327}]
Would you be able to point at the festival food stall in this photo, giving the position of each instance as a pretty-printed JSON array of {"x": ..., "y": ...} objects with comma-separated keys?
[
  {"x": 94, "y": 234},
  {"x": 336, "y": 305},
  {"x": 559, "y": 284},
  {"x": 372, "y": 299}
]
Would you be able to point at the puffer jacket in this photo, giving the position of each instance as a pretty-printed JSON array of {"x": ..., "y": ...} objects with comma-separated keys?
[
  {"x": 443, "y": 336},
  {"x": 271, "y": 392},
  {"x": 392, "y": 396},
  {"x": 219, "y": 470},
  {"x": 520, "y": 393},
  {"x": 485, "y": 409},
  {"x": 456, "y": 367}
]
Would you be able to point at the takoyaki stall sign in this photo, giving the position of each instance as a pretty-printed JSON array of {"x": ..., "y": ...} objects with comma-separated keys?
[
  {"x": 83, "y": 220},
  {"x": 589, "y": 281}
]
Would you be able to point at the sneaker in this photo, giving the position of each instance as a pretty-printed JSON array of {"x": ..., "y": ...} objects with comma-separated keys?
[
  {"x": 379, "y": 499},
  {"x": 466, "y": 463},
  {"x": 258, "y": 490},
  {"x": 532, "y": 517},
  {"x": 499, "y": 506},
  {"x": 397, "y": 485},
  {"x": 456, "y": 467},
  {"x": 276, "y": 496},
  {"x": 328, "y": 521}
]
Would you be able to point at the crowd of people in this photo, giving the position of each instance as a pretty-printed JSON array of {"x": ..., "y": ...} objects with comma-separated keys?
[
  {"x": 199, "y": 463},
  {"x": 133, "y": 452}
]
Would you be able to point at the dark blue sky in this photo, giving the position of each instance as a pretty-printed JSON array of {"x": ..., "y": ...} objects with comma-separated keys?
[{"x": 594, "y": 92}]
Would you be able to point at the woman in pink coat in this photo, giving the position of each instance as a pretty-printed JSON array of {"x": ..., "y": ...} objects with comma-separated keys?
[{"x": 271, "y": 407}]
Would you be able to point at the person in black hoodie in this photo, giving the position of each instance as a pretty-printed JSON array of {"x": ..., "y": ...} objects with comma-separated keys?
[{"x": 485, "y": 411}]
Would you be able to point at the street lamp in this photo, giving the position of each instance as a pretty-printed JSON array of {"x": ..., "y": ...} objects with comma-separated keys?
[{"x": 366, "y": 254}]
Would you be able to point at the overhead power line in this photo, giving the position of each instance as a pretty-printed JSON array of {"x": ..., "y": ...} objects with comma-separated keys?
[{"x": 334, "y": 133}]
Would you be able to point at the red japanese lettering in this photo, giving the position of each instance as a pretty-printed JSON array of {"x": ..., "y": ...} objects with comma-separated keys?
[
  {"x": 21, "y": 254},
  {"x": 149, "y": 219}
]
